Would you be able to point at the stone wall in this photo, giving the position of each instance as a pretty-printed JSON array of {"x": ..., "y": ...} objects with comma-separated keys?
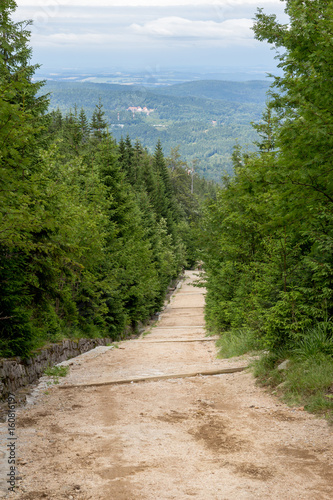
[{"x": 16, "y": 373}]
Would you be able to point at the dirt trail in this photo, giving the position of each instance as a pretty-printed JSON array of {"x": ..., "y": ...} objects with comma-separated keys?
[{"x": 217, "y": 437}]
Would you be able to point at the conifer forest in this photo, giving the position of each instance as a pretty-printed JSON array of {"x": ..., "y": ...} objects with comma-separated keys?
[{"x": 92, "y": 231}]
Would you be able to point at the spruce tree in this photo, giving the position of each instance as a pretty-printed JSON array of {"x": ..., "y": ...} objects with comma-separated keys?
[
  {"x": 73, "y": 131},
  {"x": 55, "y": 123},
  {"x": 15, "y": 70},
  {"x": 128, "y": 163},
  {"x": 98, "y": 124},
  {"x": 121, "y": 150},
  {"x": 129, "y": 255},
  {"x": 84, "y": 126},
  {"x": 21, "y": 215},
  {"x": 166, "y": 203}
]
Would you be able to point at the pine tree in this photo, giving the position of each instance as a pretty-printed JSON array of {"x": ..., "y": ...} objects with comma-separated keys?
[
  {"x": 98, "y": 124},
  {"x": 129, "y": 256},
  {"x": 55, "y": 123},
  {"x": 73, "y": 131},
  {"x": 15, "y": 71},
  {"x": 84, "y": 126},
  {"x": 128, "y": 162},
  {"x": 162, "y": 201},
  {"x": 21, "y": 179},
  {"x": 20, "y": 125}
]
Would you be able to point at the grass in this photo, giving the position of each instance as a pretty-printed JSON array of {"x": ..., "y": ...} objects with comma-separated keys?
[
  {"x": 56, "y": 371},
  {"x": 306, "y": 382},
  {"x": 308, "y": 379},
  {"x": 237, "y": 342},
  {"x": 316, "y": 341}
]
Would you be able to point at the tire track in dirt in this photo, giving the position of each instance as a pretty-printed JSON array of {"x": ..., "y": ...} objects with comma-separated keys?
[{"x": 206, "y": 438}]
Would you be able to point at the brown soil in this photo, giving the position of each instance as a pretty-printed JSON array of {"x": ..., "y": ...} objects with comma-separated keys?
[{"x": 217, "y": 437}]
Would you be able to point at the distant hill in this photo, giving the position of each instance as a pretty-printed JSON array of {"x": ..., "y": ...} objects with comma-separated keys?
[
  {"x": 201, "y": 100},
  {"x": 244, "y": 92},
  {"x": 205, "y": 118}
]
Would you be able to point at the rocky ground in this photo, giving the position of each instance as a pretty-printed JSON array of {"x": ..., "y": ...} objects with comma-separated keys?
[{"x": 205, "y": 437}]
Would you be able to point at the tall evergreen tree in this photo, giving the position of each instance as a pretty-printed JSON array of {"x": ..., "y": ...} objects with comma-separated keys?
[
  {"x": 16, "y": 71},
  {"x": 98, "y": 125},
  {"x": 129, "y": 255},
  {"x": 84, "y": 126},
  {"x": 21, "y": 214},
  {"x": 72, "y": 130}
]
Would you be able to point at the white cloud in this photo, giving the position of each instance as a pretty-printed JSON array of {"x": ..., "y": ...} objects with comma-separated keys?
[
  {"x": 65, "y": 39},
  {"x": 144, "y": 30},
  {"x": 233, "y": 31},
  {"x": 140, "y": 3},
  {"x": 177, "y": 27}
]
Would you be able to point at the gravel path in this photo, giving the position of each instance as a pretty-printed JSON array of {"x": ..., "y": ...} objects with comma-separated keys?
[{"x": 209, "y": 438}]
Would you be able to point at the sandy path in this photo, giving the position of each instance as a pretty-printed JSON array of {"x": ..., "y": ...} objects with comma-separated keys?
[{"x": 206, "y": 438}]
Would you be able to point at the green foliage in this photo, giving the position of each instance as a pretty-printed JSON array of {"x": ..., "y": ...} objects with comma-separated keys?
[
  {"x": 309, "y": 376},
  {"x": 268, "y": 237},
  {"x": 98, "y": 124},
  {"x": 57, "y": 371},
  {"x": 203, "y": 118},
  {"x": 238, "y": 342},
  {"x": 90, "y": 231},
  {"x": 316, "y": 342},
  {"x": 307, "y": 381},
  {"x": 242, "y": 92}
]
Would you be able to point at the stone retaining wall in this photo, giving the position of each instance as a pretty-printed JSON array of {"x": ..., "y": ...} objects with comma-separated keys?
[{"x": 16, "y": 373}]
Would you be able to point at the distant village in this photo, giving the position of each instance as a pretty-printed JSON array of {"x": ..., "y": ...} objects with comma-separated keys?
[{"x": 138, "y": 109}]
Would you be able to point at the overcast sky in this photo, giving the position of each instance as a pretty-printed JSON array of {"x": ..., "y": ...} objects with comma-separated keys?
[{"x": 147, "y": 34}]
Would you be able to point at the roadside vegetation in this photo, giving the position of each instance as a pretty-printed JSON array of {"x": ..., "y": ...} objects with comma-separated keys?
[
  {"x": 268, "y": 236},
  {"x": 54, "y": 372},
  {"x": 92, "y": 231},
  {"x": 301, "y": 377}
]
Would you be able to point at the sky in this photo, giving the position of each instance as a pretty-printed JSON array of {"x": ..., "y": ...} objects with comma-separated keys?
[{"x": 144, "y": 35}]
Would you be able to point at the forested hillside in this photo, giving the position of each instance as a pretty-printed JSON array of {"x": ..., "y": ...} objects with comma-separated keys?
[
  {"x": 269, "y": 234},
  {"x": 251, "y": 92},
  {"x": 204, "y": 118},
  {"x": 91, "y": 231}
]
